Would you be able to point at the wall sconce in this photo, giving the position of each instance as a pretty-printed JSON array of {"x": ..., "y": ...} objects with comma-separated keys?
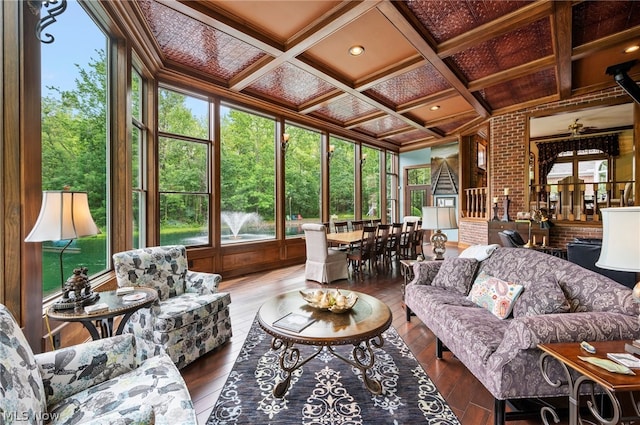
[
  {"x": 332, "y": 149},
  {"x": 363, "y": 160},
  {"x": 285, "y": 143}
]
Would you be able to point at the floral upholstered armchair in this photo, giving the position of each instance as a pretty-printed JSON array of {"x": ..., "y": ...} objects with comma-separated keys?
[
  {"x": 100, "y": 382},
  {"x": 190, "y": 318}
]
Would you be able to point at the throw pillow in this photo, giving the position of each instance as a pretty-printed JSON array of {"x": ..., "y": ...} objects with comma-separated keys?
[
  {"x": 456, "y": 273},
  {"x": 542, "y": 297},
  {"x": 495, "y": 294},
  {"x": 479, "y": 252}
]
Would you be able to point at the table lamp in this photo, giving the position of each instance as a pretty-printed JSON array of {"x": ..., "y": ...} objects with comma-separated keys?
[
  {"x": 621, "y": 241},
  {"x": 438, "y": 219},
  {"x": 65, "y": 215}
]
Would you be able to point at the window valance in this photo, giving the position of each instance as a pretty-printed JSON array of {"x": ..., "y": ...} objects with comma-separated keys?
[{"x": 548, "y": 151}]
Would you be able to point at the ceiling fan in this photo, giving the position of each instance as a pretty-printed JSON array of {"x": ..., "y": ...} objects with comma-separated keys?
[{"x": 576, "y": 128}]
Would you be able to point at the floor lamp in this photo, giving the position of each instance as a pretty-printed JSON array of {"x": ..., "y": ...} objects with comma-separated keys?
[
  {"x": 621, "y": 241},
  {"x": 65, "y": 215},
  {"x": 438, "y": 219}
]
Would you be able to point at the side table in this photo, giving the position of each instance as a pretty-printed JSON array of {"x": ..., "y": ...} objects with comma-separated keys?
[
  {"x": 104, "y": 319},
  {"x": 613, "y": 385}
]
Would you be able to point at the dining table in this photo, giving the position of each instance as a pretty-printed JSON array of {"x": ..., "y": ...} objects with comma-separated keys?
[{"x": 345, "y": 238}]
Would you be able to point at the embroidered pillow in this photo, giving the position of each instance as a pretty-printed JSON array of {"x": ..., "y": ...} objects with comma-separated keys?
[
  {"x": 495, "y": 294},
  {"x": 541, "y": 297},
  {"x": 479, "y": 252},
  {"x": 456, "y": 273}
]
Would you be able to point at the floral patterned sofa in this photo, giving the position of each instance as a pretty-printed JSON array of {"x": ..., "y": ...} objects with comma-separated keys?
[
  {"x": 191, "y": 316},
  {"x": 100, "y": 382},
  {"x": 541, "y": 299}
]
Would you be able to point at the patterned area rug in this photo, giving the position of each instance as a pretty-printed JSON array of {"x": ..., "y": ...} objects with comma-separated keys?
[{"x": 327, "y": 390}]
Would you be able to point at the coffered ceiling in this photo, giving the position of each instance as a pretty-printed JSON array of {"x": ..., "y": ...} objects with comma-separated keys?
[{"x": 472, "y": 59}]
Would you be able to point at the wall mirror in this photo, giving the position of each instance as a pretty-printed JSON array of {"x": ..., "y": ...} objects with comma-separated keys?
[{"x": 579, "y": 161}]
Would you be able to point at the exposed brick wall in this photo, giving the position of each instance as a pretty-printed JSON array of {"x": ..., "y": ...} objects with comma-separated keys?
[
  {"x": 561, "y": 235},
  {"x": 474, "y": 232},
  {"x": 507, "y": 167}
]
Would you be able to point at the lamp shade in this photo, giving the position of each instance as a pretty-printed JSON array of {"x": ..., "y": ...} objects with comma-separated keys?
[
  {"x": 63, "y": 215},
  {"x": 434, "y": 218},
  {"x": 620, "y": 239}
]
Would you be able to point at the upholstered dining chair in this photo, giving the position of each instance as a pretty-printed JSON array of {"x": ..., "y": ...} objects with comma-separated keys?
[
  {"x": 323, "y": 265},
  {"x": 190, "y": 318}
]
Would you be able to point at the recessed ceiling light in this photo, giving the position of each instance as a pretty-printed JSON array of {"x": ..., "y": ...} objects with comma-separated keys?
[
  {"x": 356, "y": 50},
  {"x": 632, "y": 49},
  {"x": 435, "y": 107}
]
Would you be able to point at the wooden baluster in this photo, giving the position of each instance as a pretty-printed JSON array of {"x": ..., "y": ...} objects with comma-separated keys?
[
  {"x": 572, "y": 217},
  {"x": 596, "y": 217},
  {"x": 621, "y": 186},
  {"x": 583, "y": 207},
  {"x": 559, "y": 205},
  {"x": 547, "y": 192}
]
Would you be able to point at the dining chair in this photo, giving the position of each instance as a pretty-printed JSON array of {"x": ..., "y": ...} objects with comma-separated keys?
[
  {"x": 357, "y": 224},
  {"x": 382, "y": 238},
  {"x": 418, "y": 235},
  {"x": 323, "y": 265},
  {"x": 406, "y": 241},
  {"x": 357, "y": 256},
  {"x": 393, "y": 243},
  {"x": 341, "y": 226}
]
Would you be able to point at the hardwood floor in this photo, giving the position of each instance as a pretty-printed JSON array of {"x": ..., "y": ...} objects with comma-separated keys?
[{"x": 205, "y": 377}]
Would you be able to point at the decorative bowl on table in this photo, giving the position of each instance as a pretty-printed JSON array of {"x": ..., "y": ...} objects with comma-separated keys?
[{"x": 331, "y": 300}]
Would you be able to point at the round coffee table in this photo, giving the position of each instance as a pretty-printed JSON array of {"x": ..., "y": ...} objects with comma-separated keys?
[{"x": 362, "y": 327}]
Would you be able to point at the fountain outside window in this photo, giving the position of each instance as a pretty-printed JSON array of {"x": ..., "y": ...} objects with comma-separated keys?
[{"x": 236, "y": 219}]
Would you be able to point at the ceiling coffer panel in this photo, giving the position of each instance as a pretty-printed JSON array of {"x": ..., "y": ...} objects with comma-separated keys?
[
  {"x": 451, "y": 126},
  {"x": 382, "y": 125},
  {"x": 196, "y": 45},
  {"x": 447, "y": 19},
  {"x": 409, "y": 136},
  {"x": 593, "y": 20},
  {"x": 519, "y": 90},
  {"x": 507, "y": 51},
  {"x": 412, "y": 85},
  {"x": 291, "y": 84},
  {"x": 430, "y": 68},
  {"x": 345, "y": 109}
]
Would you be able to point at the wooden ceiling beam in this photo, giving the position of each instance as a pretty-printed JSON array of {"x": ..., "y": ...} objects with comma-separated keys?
[
  {"x": 341, "y": 16},
  {"x": 393, "y": 12},
  {"x": 561, "y": 30}
]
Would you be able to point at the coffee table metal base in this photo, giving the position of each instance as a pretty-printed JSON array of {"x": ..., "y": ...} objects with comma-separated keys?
[{"x": 363, "y": 359}]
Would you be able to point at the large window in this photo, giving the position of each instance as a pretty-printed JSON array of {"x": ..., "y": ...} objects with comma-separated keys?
[
  {"x": 74, "y": 136},
  {"x": 183, "y": 168},
  {"x": 138, "y": 160},
  {"x": 303, "y": 161},
  {"x": 341, "y": 180},
  {"x": 370, "y": 166},
  {"x": 247, "y": 176},
  {"x": 583, "y": 167},
  {"x": 392, "y": 184}
]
